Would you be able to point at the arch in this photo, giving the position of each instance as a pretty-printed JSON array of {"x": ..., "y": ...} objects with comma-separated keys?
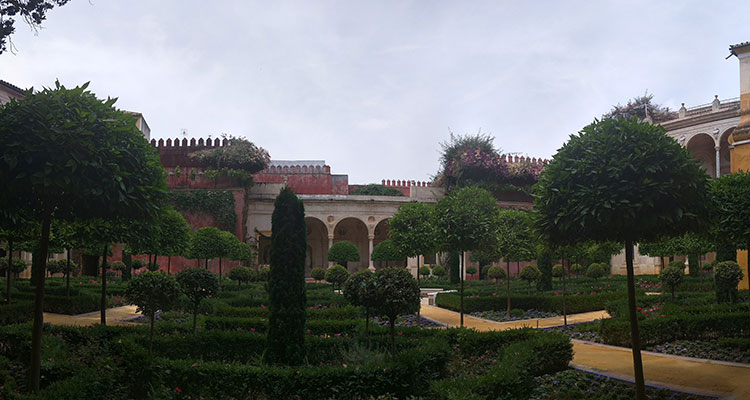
[
  {"x": 317, "y": 244},
  {"x": 701, "y": 146},
  {"x": 354, "y": 230},
  {"x": 725, "y": 156}
]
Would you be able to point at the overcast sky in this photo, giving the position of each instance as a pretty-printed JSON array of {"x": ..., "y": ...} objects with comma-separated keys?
[{"x": 373, "y": 87}]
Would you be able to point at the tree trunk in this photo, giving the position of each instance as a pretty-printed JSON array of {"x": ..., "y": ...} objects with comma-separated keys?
[
  {"x": 169, "y": 265},
  {"x": 195, "y": 316},
  {"x": 367, "y": 325},
  {"x": 156, "y": 259},
  {"x": 419, "y": 307},
  {"x": 640, "y": 386},
  {"x": 507, "y": 267},
  {"x": 206, "y": 263},
  {"x": 103, "y": 302},
  {"x": 564, "y": 306},
  {"x": 67, "y": 276},
  {"x": 149, "y": 263},
  {"x": 38, "y": 270},
  {"x": 151, "y": 336},
  {"x": 9, "y": 272},
  {"x": 393, "y": 335},
  {"x": 461, "y": 278},
  {"x": 219, "y": 270}
]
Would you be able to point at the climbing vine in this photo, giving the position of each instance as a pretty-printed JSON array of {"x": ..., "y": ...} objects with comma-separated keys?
[{"x": 217, "y": 203}]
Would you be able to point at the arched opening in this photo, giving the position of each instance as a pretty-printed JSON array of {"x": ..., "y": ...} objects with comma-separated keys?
[
  {"x": 702, "y": 148},
  {"x": 317, "y": 245},
  {"x": 724, "y": 153},
  {"x": 355, "y": 231}
]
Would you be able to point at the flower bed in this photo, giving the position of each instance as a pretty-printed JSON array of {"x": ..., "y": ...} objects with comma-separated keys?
[
  {"x": 515, "y": 315},
  {"x": 709, "y": 349},
  {"x": 550, "y": 303}
]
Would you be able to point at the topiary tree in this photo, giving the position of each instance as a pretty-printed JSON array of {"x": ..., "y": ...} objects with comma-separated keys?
[
  {"x": 731, "y": 194},
  {"x": 623, "y": 181},
  {"x": 356, "y": 290},
  {"x": 727, "y": 275},
  {"x": 558, "y": 271},
  {"x": 242, "y": 252},
  {"x": 439, "y": 271},
  {"x": 120, "y": 267},
  {"x": 679, "y": 264},
  {"x": 264, "y": 273},
  {"x": 398, "y": 293},
  {"x": 424, "y": 271},
  {"x": 17, "y": 266},
  {"x": 286, "y": 284},
  {"x": 530, "y": 273},
  {"x": 197, "y": 284},
  {"x": 544, "y": 262},
  {"x": 471, "y": 270},
  {"x": 595, "y": 271},
  {"x": 466, "y": 220},
  {"x": 206, "y": 243},
  {"x": 343, "y": 252},
  {"x": 672, "y": 277},
  {"x": 708, "y": 267},
  {"x": 578, "y": 269},
  {"x": 318, "y": 273},
  {"x": 516, "y": 242},
  {"x": 497, "y": 273},
  {"x": 337, "y": 275},
  {"x": 151, "y": 292},
  {"x": 387, "y": 251},
  {"x": 242, "y": 274}
]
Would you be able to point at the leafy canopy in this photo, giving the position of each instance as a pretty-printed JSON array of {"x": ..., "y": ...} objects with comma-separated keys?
[
  {"x": 198, "y": 284},
  {"x": 239, "y": 158},
  {"x": 467, "y": 220},
  {"x": 412, "y": 229},
  {"x": 33, "y": 12},
  {"x": 515, "y": 240},
  {"x": 387, "y": 251},
  {"x": 731, "y": 194},
  {"x": 620, "y": 180},
  {"x": 152, "y": 291},
  {"x": 343, "y": 252}
]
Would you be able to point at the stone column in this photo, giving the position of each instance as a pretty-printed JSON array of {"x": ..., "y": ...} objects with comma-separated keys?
[
  {"x": 740, "y": 138},
  {"x": 371, "y": 266},
  {"x": 330, "y": 244},
  {"x": 718, "y": 161}
]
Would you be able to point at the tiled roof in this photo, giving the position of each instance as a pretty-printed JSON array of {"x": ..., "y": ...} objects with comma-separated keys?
[
  {"x": 733, "y": 47},
  {"x": 12, "y": 87}
]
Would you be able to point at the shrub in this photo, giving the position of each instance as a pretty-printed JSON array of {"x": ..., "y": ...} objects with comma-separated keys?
[
  {"x": 242, "y": 274},
  {"x": 578, "y": 269},
  {"x": 424, "y": 271},
  {"x": 397, "y": 293},
  {"x": 558, "y": 271},
  {"x": 318, "y": 273},
  {"x": 337, "y": 275},
  {"x": 136, "y": 265},
  {"x": 727, "y": 275},
  {"x": 497, "y": 273},
  {"x": 439, "y": 271},
  {"x": 118, "y": 266},
  {"x": 530, "y": 273},
  {"x": 595, "y": 271},
  {"x": 708, "y": 266},
  {"x": 151, "y": 292},
  {"x": 471, "y": 269},
  {"x": 16, "y": 313},
  {"x": 18, "y": 266},
  {"x": 198, "y": 284},
  {"x": 343, "y": 252},
  {"x": 264, "y": 273},
  {"x": 574, "y": 304},
  {"x": 672, "y": 277},
  {"x": 153, "y": 266},
  {"x": 679, "y": 264}
]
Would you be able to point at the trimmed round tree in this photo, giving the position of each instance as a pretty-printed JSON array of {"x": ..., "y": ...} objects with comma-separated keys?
[
  {"x": 679, "y": 264},
  {"x": 439, "y": 271},
  {"x": 387, "y": 251},
  {"x": 242, "y": 274},
  {"x": 578, "y": 269},
  {"x": 731, "y": 194},
  {"x": 530, "y": 273},
  {"x": 424, "y": 271},
  {"x": 355, "y": 290},
  {"x": 497, "y": 273},
  {"x": 197, "y": 284},
  {"x": 70, "y": 156},
  {"x": 595, "y": 271},
  {"x": 286, "y": 283},
  {"x": 516, "y": 242},
  {"x": 558, "y": 271},
  {"x": 466, "y": 220},
  {"x": 672, "y": 277},
  {"x": 152, "y": 292},
  {"x": 337, "y": 275},
  {"x": 318, "y": 273},
  {"x": 727, "y": 275},
  {"x": 623, "y": 181},
  {"x": 398, "y": 293},
  {"x": 343, "y": 252},
  {"x": 206, "y": 243},
  {"x": 471, "y": 270}
]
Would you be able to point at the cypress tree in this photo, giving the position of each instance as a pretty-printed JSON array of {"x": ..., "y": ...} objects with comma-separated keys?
[
  {"x": 544, "y": 262},
  {"x": 454, "y": 267},
  {"x": 286, "y": 284}
]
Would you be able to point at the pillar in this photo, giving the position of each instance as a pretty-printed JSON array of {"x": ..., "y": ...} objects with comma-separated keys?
[
  {"x": 330, "y": 244},
  {"x": 371, "y": 266},
  {"x": 718, "y": 161},
  {"x": 740, "y": 138}
]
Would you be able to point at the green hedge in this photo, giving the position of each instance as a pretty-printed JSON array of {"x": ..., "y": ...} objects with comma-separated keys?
[
  {"x": 16, "y": 312},
  {"x": 73, "y": 305},
  {"x": 657, "y": 330},
  {"x": 331, "y": 313},
  {"x": 260, "y": 325},
  {"x": 574, "y": 304}
]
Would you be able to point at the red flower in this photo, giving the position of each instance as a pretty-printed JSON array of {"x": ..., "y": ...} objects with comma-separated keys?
[
  {"x": 638, "y": 308},
  {"x": 263, "y": 306},
  {"x": 178, "y": 390},
  {"x": 252, "y": 329}
]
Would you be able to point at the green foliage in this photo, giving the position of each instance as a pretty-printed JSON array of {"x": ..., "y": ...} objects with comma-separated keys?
[
  {"x": 678, "y": 264},
  {"x": 152, "y": 291},
  {"x": 397, "y": 293},
  {"x": 243, "y": 274},
  {"x": 355, "y": 287},
  {"x": 318, "y": 273},
  {"x": 424, "y": 271},
  {"x": 530, "y": 273},
  {"x": 544, "y": 261},
  {"x": 343, "y": 252},
  {"x": 412, "y": 229},
  {"x": 620, "y": 180},
  {"x": 596, "y": 271},
  {"x": 728, "y": 275},
  {"x": 207, "y": 242},
  {"x": 219, "y": 204},
  {"x": 118, "y": 266},
  {"x": 264, "y": 273},
  {"x": 337, "y": 275},
  {"x": 672, "y": 277},
  {"x": 240, "y": 251},
  {"x": 376, "y": 190},
  {"x": 558, "y": 271},
  {"x": 471, "y": 269},
  {"x": 454, "y": 262},
  {"x": 439, "y": 271},
  {"x": 387, "y": 251},
  {"x": 240, "y": 159},
  {"x": 17, "y": 266},
  {"x": 641, "y": 107},
  {"x": 574, "y": 304},
  {"x": 32, "y": 12},
  {"x": 197, "y": 284},
  {"x": 516, "y": 242},
  {"x": 578, "y": 269},
  {"x": 286, "y": 284},
  {"x": 497, "y": 272},
  {"x": 467, "y": 220}
]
